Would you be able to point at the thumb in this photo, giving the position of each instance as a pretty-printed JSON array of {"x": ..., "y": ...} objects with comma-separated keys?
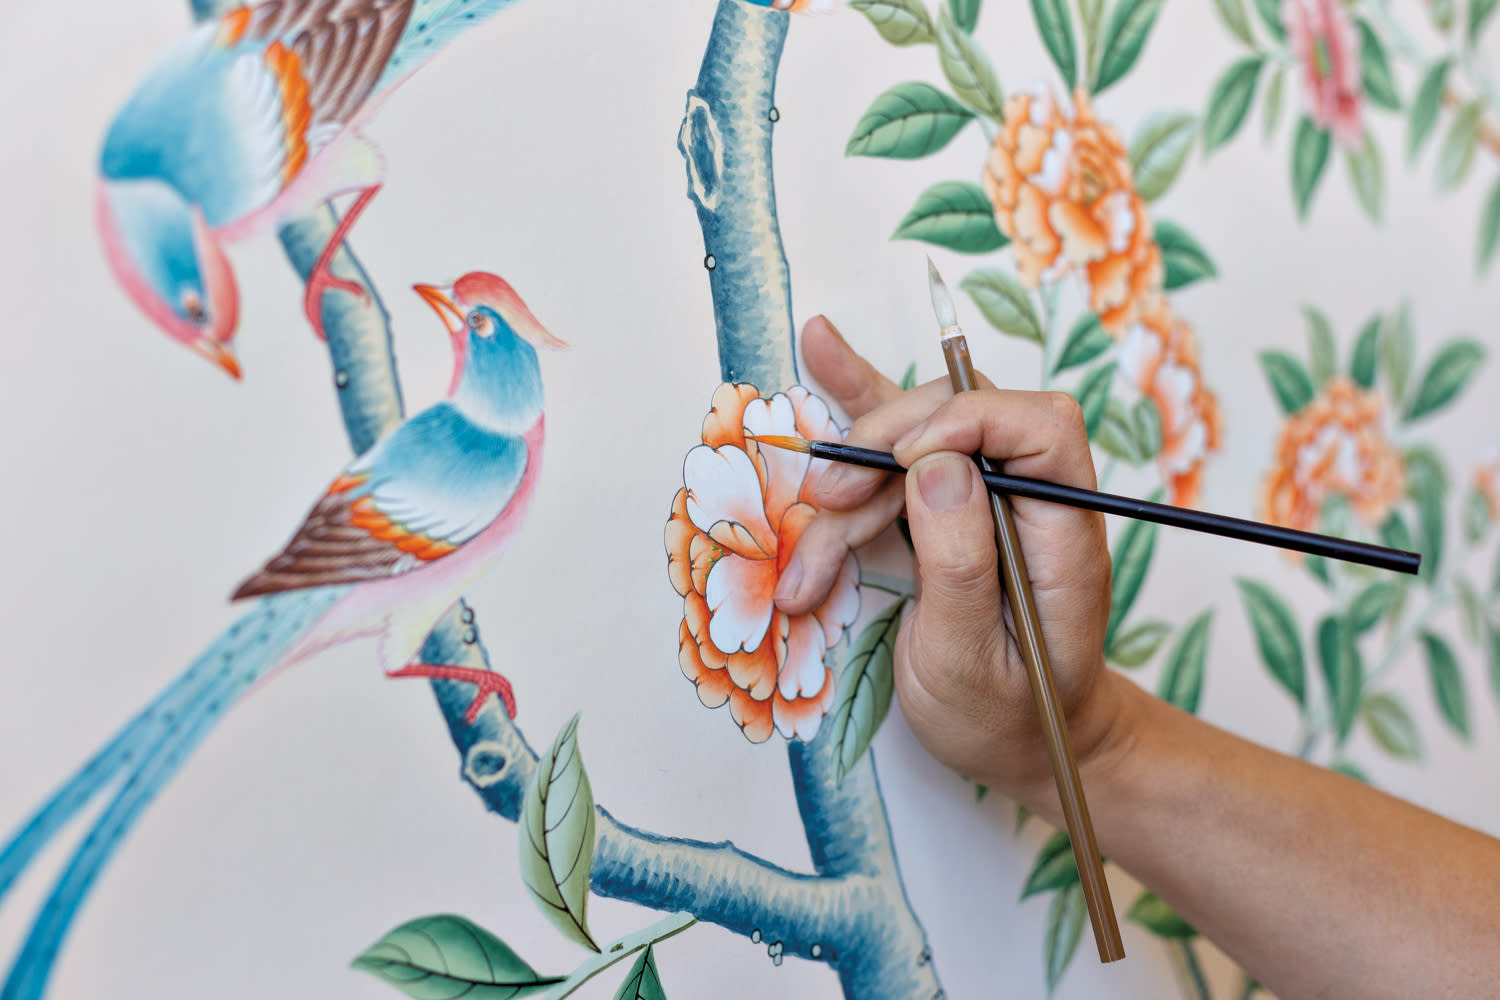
[{"x": 957, "y": 626}]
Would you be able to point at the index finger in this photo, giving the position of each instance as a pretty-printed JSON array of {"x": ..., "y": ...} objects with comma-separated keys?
[{"x": 855, "y": 383}]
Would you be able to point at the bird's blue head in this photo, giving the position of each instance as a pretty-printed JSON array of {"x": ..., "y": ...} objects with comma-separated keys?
[
  {"x": 496, "y": 376},
  {"x": 166, "y": 258}
]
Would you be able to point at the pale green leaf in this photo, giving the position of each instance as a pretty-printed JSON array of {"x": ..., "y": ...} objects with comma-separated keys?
[
  {"x": 1159, "y": 918},
  {"x": 1426, "y": 105},
  {"x": 1181, "y": 681},
  {"x": 955, "y": 215},
  {"x": 900, "y": 22},
  {"x": 1447, "y": 683},
  {"x": 1116, "y": 434},
  {"x": 1145, "y": 420},
  {"x": 557, "y": 836},
  {"x": 1275, "y": 100},
  {"x": 1086, "y": 341},
  {"x": 906, "y": 122},
  {"x": 1090, "y": 19},
  {"x": 1065, "y": 919},
  {"x": 865, "y": 688},
  {"x": 1229, "y": 101},
  {"x": 1489, "y": 229},
  {"x": 1367, "y": 175},
  {"x": 1056, "y": 26},
  {"x": 1270, "y": 16},
  {"x": 1480, "y": 12},
  {"x": 1322, "y": 346},
  {"x": 1456, "y": 155},
  {"x": 1005, "y": 303},
  {"x": 968, "y": 69},
  {"x": 1125, "y": 35},
  {"x": 1343, "y": 672},
  {"x": 1054, "y": 867},
  {"x": 1130, "y": 559},
  {"x": 445, "y": 957},
  {"x": 1450, "y": 371},
  {"x": 1397, "y": 348},
  {"x": 1288, "y": 378},
  {"x": 1366, "y": 351},
  {"x": 1375, "y": 70},
  {"x": 1093, "y": 393},
  {"x": 642, "y": 982},
  {"x": 1370, "y": 605},
  {"x": 1310, "y": 152},
  {"x": 1135, "y": 646},
  {"x": 1159, "y": 150},
  {"x": 1232, "y": 13}
]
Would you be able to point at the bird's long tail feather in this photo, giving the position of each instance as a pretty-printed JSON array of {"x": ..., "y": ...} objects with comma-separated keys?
[
  {"x": 433, "y": 24},
  {"x": 147, "y": 752}
]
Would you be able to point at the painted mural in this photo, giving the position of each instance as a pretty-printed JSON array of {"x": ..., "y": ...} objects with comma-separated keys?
[{"x": 254, "y": 126}]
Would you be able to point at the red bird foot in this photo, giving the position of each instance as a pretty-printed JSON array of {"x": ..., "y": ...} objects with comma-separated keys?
[
  {"x": 322, "y": 278},
  {"x": 488, "y": 681}
]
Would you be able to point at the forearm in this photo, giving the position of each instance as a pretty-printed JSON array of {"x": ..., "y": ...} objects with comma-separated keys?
[{"x": 1318, "y": 885}]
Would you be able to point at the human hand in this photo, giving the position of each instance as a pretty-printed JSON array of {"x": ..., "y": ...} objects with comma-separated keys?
[{"x": 959, "y": 674}]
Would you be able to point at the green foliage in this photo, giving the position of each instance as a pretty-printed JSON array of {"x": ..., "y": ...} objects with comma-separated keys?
[
  {"x": 557, "y": 843},
  {"x": 909, "y": 377},
  {"x": 642, "y": 982},
  {"x": 1277, "y": 636},
  {"x": 1447, "y": 683},
  {"x": 1391, "y": 726},
  {"x": 1310, "y": 150},
  {"x": 1480, "y": 12},
  {"x": 955, "y": 215},
  {"x": 968, "y": 69},
  {"x": 1159, "y": 150},
  {"x": 1055, "y": 24},
  {"x": 1375, "y": 70},
  {"x": 865, "y": 688},
  {"x": 446, "y": 956},
  {"x": 1135, "y": 646},
  {"x": 907, "y": 122},
  {"x": 1116, "y": 434},
  {"x": 1489, "y": 230},
  {"x": 1366, "y": 352},
  {"x": 1229, "y": 101},
  {"x": 1004, "y": 302},
  {"x": 1343, "y": 672},
  {"x": 1288, "y": 378},
  {"x": 1275, "y": 100},
  {"x": 1130, "y": 559},
  {"x": 1064, "y": 930},
  {"x": 1160, "y": 919},
  {"x": 965, "y": 13},
  {"x": 1145, "y": 420},
  {"x": 1093, "y": 393},
  {"x": 900, "y": 22},
  {"x": 1184, "y": 261},
  {"x": 1397, "y": 347},
  {"x": 1322, "y": 347},
  {"x": 1182, "y": 677},
  {"x": 1086, "y": 341},
  {"x": 1449, "y": 372},
  {"x": 1371, "y": 604},
  {"x": 1426, "y": 105},
  {"x": 1054, "y": 867},
  {"x": 1367, "y": 175},
  {"x": 1232, "y": 13},
  {"x": 1125, "y": 35},
  {"x": 1270, "y": 16},
  {"x": 1456, "y": 155}
]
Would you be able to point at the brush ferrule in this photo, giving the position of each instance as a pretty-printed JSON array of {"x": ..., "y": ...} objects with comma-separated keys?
[{"x": 949, "y": 332}]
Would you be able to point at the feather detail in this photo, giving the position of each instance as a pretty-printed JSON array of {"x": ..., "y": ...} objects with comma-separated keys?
[{"x": 296, "y": 113}]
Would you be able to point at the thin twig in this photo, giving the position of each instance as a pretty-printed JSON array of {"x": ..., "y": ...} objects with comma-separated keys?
[{"x": 619, "y": 951}]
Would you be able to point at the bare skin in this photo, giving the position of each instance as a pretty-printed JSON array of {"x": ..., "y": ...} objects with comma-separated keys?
[{"x": 1317, "y": 885}]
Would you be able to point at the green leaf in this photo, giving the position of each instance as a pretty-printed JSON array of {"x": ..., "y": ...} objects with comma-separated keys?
[
  {"x": 955, "y": 215},
  {"x": 1471, "y": 610},
  {"x": 1397, "y": 345},
  {"x": 446, "y": 956},
  {"x": 900, "y": 22},
  {"x": 1086, "y": 341},
  {"x": 1375, "y": 70},
  {"x": 642, "y": 983},
  {"x": 1232, "y": 13},
  {"x": 1426, "y": 105},
  {"x": 1125, "y": 36},
  {"x": 1090, "y": 18},
  {"x": 1343, "y": 671},
  {"x": 968, "y": 70},
  {"x": 1370, "y": 605},
  {"x": 1146, "y": 422},
  {"x": 1056, "y": 26},
  {"x": 1116, "y": 435},
  {"x": 1447, "y": 683},
  {"x": 907, "y": 122},
  {"x": 1054, "y": 867},
  {"x": 1022, "y": 815},
  {"x": 1455, "y": 364},
  {"x": 1394, "y": 533},
  {"x": 557, "y": 848},
  {"x": 1322, "y": 346},
  {"x": 965, "y": 13},
  {"x": 1489, "y": 230},
  {"x": 1366, "y": 348},
  {"x": 1275, "y": 100},
  {"x": 1277, "y": 636},
  {"x": 1492, "y": 649},
  {"x": 1182, "y": 677},
  {"x": 1270, "y": 16},
  {"x": 1064, "y": 930},
  {"x": 1427, "y": 484},
  {"x": 1005, "y": 302},
  {"x": 1288, "y": 379},
  {"x": 1442, "y": 12},
  {"x": 1160, "y": 919},
  {"x": 1476, "y": 517},
  {"x": 1310, "y": 152},
  {"x": 909, "y": 380},
  {"x": 1392, "y": 726},
  {"x": 1367, "y": 175},
  {"x": 865, "y": 688},
  {"x": 1137, "y": 645},
  {"x": 1130, "y": 560},
  {"x": 1229, "y": 101},
  {"x": 1159, "y": 150},
  {"x": 1351, "y": 770},
  {"x": 1093, "y": 393},
  {"x": 1318, "y": 567},
  {"x": 1183, "y": 259},
  {"x": 1480, "y": 12},
  {"x": 1456, "y": 155},
  {"x": 980, "y": 791}
]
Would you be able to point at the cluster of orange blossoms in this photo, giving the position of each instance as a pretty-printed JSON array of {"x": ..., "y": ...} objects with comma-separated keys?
[{"x": 1062, "y": 189}]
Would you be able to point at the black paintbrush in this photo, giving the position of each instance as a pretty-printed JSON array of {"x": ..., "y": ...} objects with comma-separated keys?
[{"x": 1309, "y": 542}]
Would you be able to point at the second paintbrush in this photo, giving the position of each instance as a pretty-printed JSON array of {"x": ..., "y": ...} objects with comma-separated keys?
[{"x": 1309, "y": 542}]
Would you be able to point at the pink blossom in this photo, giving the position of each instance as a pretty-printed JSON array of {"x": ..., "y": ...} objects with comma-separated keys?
[{"x": 1325, "y": 42}]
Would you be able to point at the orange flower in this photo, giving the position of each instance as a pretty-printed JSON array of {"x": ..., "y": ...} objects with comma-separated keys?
[
  {"x": 733, "y": 528},
  {"x": 1487, "y": 481},
  {"x": 1333, "y": 446},
  {"x": 1063, "y": 192},
  {"x": 1160, "y": 355}
]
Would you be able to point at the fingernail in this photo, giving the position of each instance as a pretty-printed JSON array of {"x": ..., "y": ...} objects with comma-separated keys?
[
  {"x": 791, "y": 579},
  {"x": 944, "y": 482},
  {"x": 910, "y": 437}
]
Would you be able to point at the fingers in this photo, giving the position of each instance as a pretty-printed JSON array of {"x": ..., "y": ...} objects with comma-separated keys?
[
  {"x": 849, "y": 378},
  {"x": 826, "y": 542},
  {"x": 1036, "y": 434},
  {"x": 958, "y": 620}
]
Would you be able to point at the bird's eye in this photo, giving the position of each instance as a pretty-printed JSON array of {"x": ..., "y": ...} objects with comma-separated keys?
[
  {"x": 192, "y": 307},
  {"x": 476, "y": 320}
]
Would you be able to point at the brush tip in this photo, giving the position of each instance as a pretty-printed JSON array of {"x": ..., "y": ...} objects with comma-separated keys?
[
  {"x": 781, "y": 441},
  {"x": 942, "y": 301}
]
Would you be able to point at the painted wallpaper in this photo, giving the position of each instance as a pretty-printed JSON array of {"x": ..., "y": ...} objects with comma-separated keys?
[{"x": 391, "y": 557}]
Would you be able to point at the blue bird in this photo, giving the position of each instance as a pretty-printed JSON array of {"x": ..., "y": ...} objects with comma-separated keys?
[
  {"x": 248, "y": 122},
  {"x": 393, "y": 543}
]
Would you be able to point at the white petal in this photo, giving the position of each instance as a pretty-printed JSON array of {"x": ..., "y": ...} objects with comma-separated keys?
[
  {"x": 723, "y": 486},
  {"x": 842, "y": 606},
  {"x": 803, "y": 672},
  {"x": 739, "y": 602}
]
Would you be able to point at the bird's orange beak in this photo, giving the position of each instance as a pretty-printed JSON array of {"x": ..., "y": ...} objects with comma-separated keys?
[
  {"x": 442, "y": 303},
  {"x": 220, "y": 355}
]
